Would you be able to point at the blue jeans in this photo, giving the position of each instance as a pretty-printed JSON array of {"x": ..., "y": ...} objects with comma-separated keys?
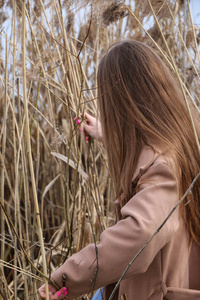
[{"x": 98, "y": 295}]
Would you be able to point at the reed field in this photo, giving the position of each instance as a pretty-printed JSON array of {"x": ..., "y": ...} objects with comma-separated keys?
[{"x": 55, "y": 194}]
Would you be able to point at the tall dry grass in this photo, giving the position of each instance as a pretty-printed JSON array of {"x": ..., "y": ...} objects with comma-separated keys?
[{"x": 56, "y": 195}]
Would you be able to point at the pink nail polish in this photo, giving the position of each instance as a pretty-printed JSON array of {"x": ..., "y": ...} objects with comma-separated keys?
[
  {"x": 75, "y": 118},
  {"x": 86, "y": 138},
  {"x": 65, "y": 293},
  {"x": 58, "y": 294},
  {"x": 64, "y": 289},
  {"x": 79, "y": 121}
]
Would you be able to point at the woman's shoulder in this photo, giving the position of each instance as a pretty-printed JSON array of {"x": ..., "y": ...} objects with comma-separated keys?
[{"x": 151, "y": 155}]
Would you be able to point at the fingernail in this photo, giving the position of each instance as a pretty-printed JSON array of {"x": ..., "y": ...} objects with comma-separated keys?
[
  {"x": 65, "y": 293},
  {"x": 64, "y": 289},
  {"x": 86, "y": 138},
  {"x": 58, "y": 294},
  {"x": 75, "y": 118},
  {"x": 79, "y": 121}
]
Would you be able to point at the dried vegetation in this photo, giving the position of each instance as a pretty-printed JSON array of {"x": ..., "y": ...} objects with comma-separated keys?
[{"x": 48, "y": 58}]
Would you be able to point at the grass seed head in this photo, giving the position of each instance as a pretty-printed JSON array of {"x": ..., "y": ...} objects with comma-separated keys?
[{"x": 114, "y": 12}]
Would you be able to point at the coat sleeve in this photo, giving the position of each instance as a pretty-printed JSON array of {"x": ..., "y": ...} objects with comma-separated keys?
[{"x": 157, "y": 194}]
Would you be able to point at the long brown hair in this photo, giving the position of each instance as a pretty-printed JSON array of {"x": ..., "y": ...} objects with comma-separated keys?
[{"x": 141, "y": 103}]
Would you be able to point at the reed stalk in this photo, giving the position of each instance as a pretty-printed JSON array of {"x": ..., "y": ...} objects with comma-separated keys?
[
  {"x": 29, "y": 151},
  {"x": 14, "y": 148},
  {"x": 2, "y": 165}
]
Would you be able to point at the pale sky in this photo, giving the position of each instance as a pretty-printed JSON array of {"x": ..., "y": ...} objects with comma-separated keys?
[{"x": 195, "y": 10}]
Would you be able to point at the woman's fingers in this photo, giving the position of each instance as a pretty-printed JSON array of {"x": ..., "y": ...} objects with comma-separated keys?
[
  {"x": 53, "y": 293},
  {"x": 87, "y": 128},
  {"x": 91, "y": 126},
  {"x": 42, "y": 290},
  {"x": 90, "y": 120},
  {"x": 61, "y": 294}
]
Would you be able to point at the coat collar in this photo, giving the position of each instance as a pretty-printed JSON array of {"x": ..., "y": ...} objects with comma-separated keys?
[{"x": 146, "y": 159}]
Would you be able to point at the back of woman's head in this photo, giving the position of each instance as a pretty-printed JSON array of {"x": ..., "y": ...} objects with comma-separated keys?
[{"x": 140, "y": 103}]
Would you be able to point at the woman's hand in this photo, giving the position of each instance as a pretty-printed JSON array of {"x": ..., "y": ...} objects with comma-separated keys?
[
  {"x": 53, "y": 292},
  {"x": 92, "y": 127}
]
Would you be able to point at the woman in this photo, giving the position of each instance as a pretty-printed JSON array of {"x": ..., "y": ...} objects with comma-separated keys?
[{"x": 152, "y": 159}]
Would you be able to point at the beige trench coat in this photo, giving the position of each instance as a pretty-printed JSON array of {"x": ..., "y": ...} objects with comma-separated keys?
[{"x": 168, "y": 268}]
